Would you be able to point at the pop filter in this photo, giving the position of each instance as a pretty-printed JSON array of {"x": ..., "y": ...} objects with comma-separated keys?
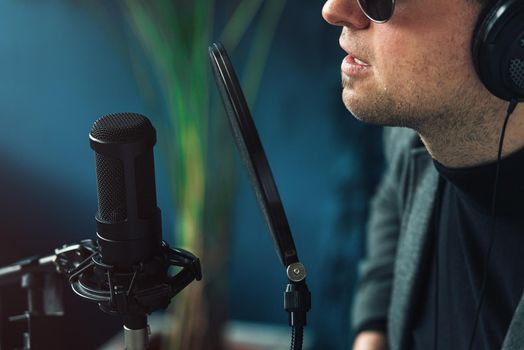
[
  {"x": 297, "y": 298},
  {"x": 252, "y": 154}
]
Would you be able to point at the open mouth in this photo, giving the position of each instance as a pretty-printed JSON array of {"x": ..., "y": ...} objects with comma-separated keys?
[
  {"x": 353, "y": 67},
  {"x": 357, "y": 61}
]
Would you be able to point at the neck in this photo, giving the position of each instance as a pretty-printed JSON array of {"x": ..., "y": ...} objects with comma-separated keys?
[{"x": 474, "y": 140}]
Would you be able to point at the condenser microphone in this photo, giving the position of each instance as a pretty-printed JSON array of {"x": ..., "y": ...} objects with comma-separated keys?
[
  {"x": 128, "y": 220},
  {"x": 128, "y": 271}
]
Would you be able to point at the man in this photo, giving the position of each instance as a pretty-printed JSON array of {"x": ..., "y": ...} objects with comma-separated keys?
[{"x": 431, "y": 219}]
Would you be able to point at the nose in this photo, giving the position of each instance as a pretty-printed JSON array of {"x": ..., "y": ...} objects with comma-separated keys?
[{"x": 345, "y": 13}]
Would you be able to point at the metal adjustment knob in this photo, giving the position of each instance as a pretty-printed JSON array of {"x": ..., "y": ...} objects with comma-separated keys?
[{"x": 296, "y": 272}]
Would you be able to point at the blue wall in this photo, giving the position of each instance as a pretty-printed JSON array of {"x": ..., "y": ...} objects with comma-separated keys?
[{"x": 64, "y": 64}]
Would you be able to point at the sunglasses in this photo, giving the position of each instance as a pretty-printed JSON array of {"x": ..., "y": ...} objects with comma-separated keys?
[{"x": 378, "y": 11}]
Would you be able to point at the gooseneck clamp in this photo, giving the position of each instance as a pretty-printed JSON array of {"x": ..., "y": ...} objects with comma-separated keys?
[{"x": 297, "y": 302}]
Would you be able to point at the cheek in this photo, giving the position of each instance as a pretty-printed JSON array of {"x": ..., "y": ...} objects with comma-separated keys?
[
  {"x": 398, "y": 61},
  {"x": 412, "y": 61}
]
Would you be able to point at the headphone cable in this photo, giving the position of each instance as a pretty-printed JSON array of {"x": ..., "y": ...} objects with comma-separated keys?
[{"x": 511, "y": 108}]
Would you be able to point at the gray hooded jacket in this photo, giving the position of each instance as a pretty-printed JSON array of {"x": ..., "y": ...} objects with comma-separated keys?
[{"x": 397, "y": 234}]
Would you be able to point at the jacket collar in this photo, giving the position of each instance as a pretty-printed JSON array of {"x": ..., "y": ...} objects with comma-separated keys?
[{"x": 422, "y": 183}]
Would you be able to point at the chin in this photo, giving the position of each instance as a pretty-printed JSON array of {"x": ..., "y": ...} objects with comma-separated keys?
[
  {"x": 377, "y": 111},
  {"x": 362, "y": 109},
  {"x": 373, "y": 119}
]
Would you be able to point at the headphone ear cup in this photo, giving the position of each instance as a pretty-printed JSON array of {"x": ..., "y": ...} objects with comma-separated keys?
[{"x": 498, "y": 49}]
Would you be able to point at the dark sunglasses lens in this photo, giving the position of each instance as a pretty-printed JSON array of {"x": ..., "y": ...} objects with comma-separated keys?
[{"x": 377, "y": 10}]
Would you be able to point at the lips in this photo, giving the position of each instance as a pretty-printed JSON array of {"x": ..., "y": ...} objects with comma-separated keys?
[
  {"x": 354, "y": 54},
  {"x": 353, "y": 68},
  {"x": 354, "y": 65},
  {"x": 358, "y": 61},
  {"x": 356, "y": 58}
]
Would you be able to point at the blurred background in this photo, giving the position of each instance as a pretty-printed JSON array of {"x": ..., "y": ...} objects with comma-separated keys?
[{"x": 65, "y": 63}]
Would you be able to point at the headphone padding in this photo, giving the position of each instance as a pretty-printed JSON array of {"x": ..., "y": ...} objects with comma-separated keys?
[{"x": 495, "y": 43}]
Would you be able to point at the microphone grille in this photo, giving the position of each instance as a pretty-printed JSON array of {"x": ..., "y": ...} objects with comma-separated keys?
[
  {"x": 112, "y": 205},
  {"x": 122, "y": 127}
]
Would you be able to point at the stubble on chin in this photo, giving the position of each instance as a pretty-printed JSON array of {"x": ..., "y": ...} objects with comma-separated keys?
[
  {"x": 400, "y": 106},
  {"x": 374, "y": 108},
  {"x": 349, "y": 101}
]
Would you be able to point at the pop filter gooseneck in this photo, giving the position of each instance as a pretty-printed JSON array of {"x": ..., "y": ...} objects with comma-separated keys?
[{"x": 297, "y": 299}]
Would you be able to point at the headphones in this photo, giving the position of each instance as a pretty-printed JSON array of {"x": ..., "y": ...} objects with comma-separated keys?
[{"x": 498, "y": 49}]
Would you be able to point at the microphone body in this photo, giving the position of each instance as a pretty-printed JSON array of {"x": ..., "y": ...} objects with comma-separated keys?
[{"x": 128, "y": 221}]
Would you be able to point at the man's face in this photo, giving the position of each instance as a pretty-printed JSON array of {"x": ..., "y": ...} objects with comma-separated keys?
[{"x": 419, "y": 65}]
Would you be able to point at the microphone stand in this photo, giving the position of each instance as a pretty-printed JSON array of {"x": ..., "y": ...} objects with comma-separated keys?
[
  {"x": 136, "y": 333},
  {"x": 38, "y": 276}
]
